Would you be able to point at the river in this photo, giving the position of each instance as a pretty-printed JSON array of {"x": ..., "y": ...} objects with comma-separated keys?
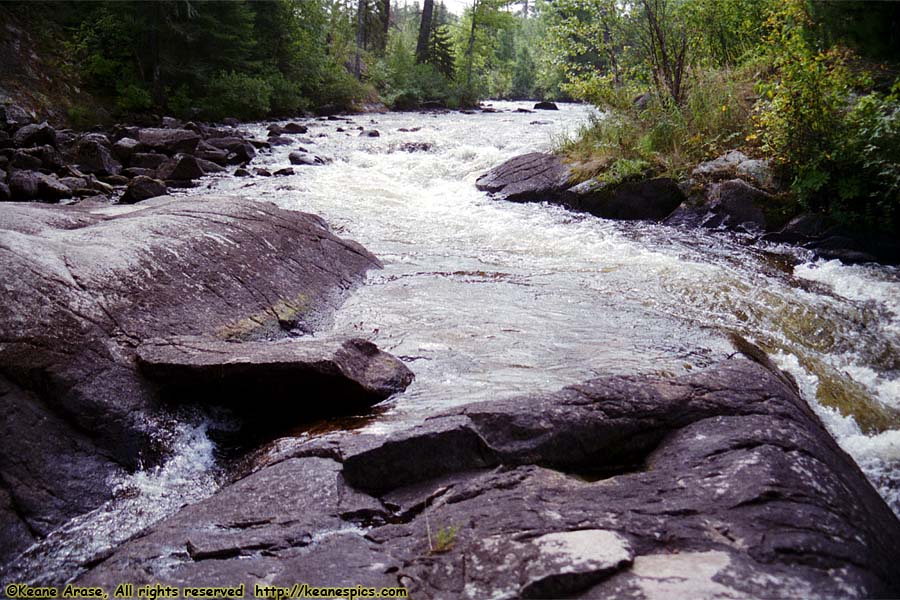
[{"x": 487, "y": 299}]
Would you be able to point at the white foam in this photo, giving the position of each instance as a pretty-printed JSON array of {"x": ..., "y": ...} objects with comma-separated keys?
[
  {"x": 879, "y": 285},
  {"x": 143, "y": 498},
  {"x": 877, "y": 455}
]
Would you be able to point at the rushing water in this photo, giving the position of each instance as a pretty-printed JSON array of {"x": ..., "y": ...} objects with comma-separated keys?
[{"x": 487, "y": 299}]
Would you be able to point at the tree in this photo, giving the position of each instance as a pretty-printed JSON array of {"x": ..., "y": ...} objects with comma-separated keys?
[
  {"x": 424, "y": 32},
  {"x": 385, "y": 17},
  {"x": 665, "y": 41},
  {"x": 440, "y": 49},
  {"x": 361, "y": 12}
]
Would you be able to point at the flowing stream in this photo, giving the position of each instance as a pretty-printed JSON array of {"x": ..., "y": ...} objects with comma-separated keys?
[{"x": 487, "y": 299}]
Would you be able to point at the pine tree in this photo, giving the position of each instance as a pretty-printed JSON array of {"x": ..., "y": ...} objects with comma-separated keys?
[{"x": 440, "y": 49}]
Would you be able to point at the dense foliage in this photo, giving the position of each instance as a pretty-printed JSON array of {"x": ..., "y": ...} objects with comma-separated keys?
[
  {"x": 807, "y": 84},
  {"x": 247, "y": 59}
]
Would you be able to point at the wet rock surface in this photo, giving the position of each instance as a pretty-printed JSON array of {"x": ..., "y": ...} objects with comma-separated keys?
[
  {"x": 143, "y": 187},
  {"x": 83, "y": 288},
  {"x": 44, "y": 164},
  {"x": 718, "y": 484},
  {"x": 339, "y": 376},
  {"x": 534, "y": 177},
  {"x": 646, "y": 200},
  {"x": 732, "y": 205}
]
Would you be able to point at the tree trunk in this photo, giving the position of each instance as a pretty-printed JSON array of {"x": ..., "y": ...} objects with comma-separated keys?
[
  {"x": 385, "y": 17},
  {"x": 360, "y": 36},
  {"x": 156, "y": 86},
  {"x": 424, "y": 31},
  {"x": 471, "y": 50}
]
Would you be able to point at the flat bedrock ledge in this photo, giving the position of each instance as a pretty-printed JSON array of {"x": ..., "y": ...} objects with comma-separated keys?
[
  {"x": 83, "y": 288},
  {"x": 718, "y": 484},
  {"x": 264, "y": 378}
]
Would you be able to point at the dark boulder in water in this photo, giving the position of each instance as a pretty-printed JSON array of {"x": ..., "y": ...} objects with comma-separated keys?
[
  {"x": 534, "y": 177},
  {"x": 643, "y": 200}
]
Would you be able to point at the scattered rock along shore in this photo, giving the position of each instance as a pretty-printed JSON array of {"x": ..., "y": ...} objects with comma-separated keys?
[
  {"x": 732, "y": 192},
  {"x": 719, "y": 484},
  {"x": 126, "y": 164},
  {"x": 93, "y": 355}
]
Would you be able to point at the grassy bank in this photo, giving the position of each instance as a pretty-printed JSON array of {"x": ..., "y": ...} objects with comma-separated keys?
[{"x": 826, "y": 114}]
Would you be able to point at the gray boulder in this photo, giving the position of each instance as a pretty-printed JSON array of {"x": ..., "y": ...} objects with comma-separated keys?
[
  {"x": 757, "y": 172},
  {"x": 13, "y": 116},
  {"x": 737, "y": 165},
  {"x": 212, "y": 154},
  {"x": 260, "y": 378},
  {"x": 147, "y": 160},
  {"x": 25, "y": 161},
  {"x": 645, "y": 200},
  {"x": 93, "y": 156},
  {"x": 210, "y": 167},
  {"x": 49, "y": 157},
  {"x": 35, "y": 135},
  {"x": 124, "y": 148},
  {"x": 132, "y": 172},
  {"x": 110, "y": 278},
  {"x": 33, "y": 185},
  {"x": 302, "y": 158},
  {"x": 294, "y": 128},
  {"x": 183, "y": 167},
  {"x": 723, "y": 167},
  {"x": 734, "y": 205},
  {"x": 802, "y": 228},
  {"x": 240, "y": 151},
  {"x": 169, "y": 141},
  {"x": 738, "y": 205},
  {"x": 142, "y": 188},
  {"x": 534, "y": 177},
  {"x": 546, "y": 106},
  {"x": 171, "y": 123}
]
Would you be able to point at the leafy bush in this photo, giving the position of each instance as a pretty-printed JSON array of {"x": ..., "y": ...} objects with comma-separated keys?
[
  {"x": 287, "y": 96},
  {"x": 339, "y": 89},
  {"x": 133, "y": 98},
  {"x": 840, "y": 151},
  {"x": 422, "y": 83},
  {"x": 866, "y": 180},
  {"x": 232, "y": 94},
  {"x": 652, "y": 129}
]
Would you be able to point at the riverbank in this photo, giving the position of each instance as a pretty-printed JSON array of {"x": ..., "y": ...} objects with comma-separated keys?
[{"x": 730, "y": 193}]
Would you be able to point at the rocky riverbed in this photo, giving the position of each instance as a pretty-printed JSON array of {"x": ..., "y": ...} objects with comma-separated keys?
[{"x": 691, "y": 467}]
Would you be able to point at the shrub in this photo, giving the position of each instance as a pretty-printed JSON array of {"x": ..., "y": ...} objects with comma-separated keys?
[
  {"x": 339, "y": 89},
  {"x": 424, "y": 83},
  {"x": 664, "y": 137},
  {"x": 840, "y": 151},
  {"x": 232, "y": 94},
  {"x": 132, "y": 98},
  {"x": 287, "y": 97}
]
